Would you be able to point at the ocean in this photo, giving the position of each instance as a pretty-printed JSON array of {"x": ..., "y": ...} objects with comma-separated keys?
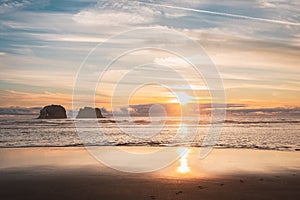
[{"x": 254, "y": 132}]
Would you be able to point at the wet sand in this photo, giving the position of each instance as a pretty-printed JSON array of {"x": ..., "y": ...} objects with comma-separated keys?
[{"x": 72, "y": 173}]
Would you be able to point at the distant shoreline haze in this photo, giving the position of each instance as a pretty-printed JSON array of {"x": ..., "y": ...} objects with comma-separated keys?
[{"x": 236, "y": 111}]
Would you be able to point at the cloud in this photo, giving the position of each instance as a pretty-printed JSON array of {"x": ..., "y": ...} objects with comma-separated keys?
[
  {"x": 13, "y": 5},
  {"x": 266, "y": 4},
  {"x": 126, "y": 13},
  {"x": 278, "y": 4},
  {"x": 30, "y": 99},
  {"x": 296, "y": 40},
  {"x": 279, "y": 111},
  {"x": 22, "y": 70},
  {"x": 7, "y": 5},
  {"x": 20, "y": 111},
  {"x": 67, "y": 37},
  {"x": 115, "y": 13},
  {"x": 205, "y": 109},
  {"x": 171, "y": 61},
  {"x": 224, "y": 14},
  {"x": 111, "y": 18}
]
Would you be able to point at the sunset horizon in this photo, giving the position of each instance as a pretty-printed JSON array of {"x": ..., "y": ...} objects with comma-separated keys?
[{"x": 145, "y": 99}]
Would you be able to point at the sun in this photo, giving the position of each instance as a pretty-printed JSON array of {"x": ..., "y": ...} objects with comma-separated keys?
[{"x": 182, "y": 98}]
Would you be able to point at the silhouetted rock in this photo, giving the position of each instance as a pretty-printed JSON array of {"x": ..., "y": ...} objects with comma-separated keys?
[
  {"x": 89, "y": 112},
  {"x": 53, "y": 112}
]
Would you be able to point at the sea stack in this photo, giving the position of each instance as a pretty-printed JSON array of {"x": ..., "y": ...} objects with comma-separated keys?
[
  {"x": 89, "y": 112},
  {"x": 53, "y": 112}
]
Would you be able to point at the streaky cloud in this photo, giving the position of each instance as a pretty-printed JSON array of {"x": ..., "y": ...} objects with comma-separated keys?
[{"x": 224, "y": 14}]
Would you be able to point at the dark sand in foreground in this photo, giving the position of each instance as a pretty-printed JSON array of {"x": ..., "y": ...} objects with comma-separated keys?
[{"x": 71, "y": 173}]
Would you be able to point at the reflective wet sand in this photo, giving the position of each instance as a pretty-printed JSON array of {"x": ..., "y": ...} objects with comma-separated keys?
[{"x": 60, "y": 173}]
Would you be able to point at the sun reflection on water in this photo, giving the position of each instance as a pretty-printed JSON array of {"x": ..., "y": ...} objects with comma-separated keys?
[{"x": 184, "y": 167}]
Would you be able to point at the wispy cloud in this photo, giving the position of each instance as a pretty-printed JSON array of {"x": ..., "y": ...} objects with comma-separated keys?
[
  {"x": 31, "y": 99},
  {"x": 226, "y": 14},
  {"x": 19, "y": 111},
  {"x": 115, "y": 13},
  {"x": 266, "y": 3},
  {"x": 7, "y": 5}
]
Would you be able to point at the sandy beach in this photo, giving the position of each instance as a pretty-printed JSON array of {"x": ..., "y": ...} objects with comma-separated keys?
[{"x": 72, "y": 173}]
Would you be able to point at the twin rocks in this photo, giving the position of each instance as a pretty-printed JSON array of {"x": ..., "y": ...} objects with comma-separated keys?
[
  {"x": 59, "y": 112},
  {"x": 53, "y": 112},
  {"x": 88, "y": 112}
]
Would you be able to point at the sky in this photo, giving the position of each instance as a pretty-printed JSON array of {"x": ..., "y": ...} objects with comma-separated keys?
[{"x": 254, "y": 46}]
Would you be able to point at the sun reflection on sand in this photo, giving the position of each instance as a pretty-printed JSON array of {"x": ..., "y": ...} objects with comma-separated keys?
[{"x": 184, "y": 167}]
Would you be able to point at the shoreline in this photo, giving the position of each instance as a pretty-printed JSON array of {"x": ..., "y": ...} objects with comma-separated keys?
[{"x": 142, "y": 146}]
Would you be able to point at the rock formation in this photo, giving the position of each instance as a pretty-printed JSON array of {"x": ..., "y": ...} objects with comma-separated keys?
[
  {"x": 89, "y": 112},
  {"x": 53, "y": 112}
]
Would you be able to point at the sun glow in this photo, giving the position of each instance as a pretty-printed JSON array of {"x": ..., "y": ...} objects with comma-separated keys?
[
  {"x": 182, "y": 98},
  {"x": 184, "y": 167}
]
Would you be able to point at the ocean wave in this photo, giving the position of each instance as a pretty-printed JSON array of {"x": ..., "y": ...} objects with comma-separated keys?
[
  {"x": 18, "y": 133},
  {"x": 156, "y": 144},
  {"x": 263, "y": 122}
]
